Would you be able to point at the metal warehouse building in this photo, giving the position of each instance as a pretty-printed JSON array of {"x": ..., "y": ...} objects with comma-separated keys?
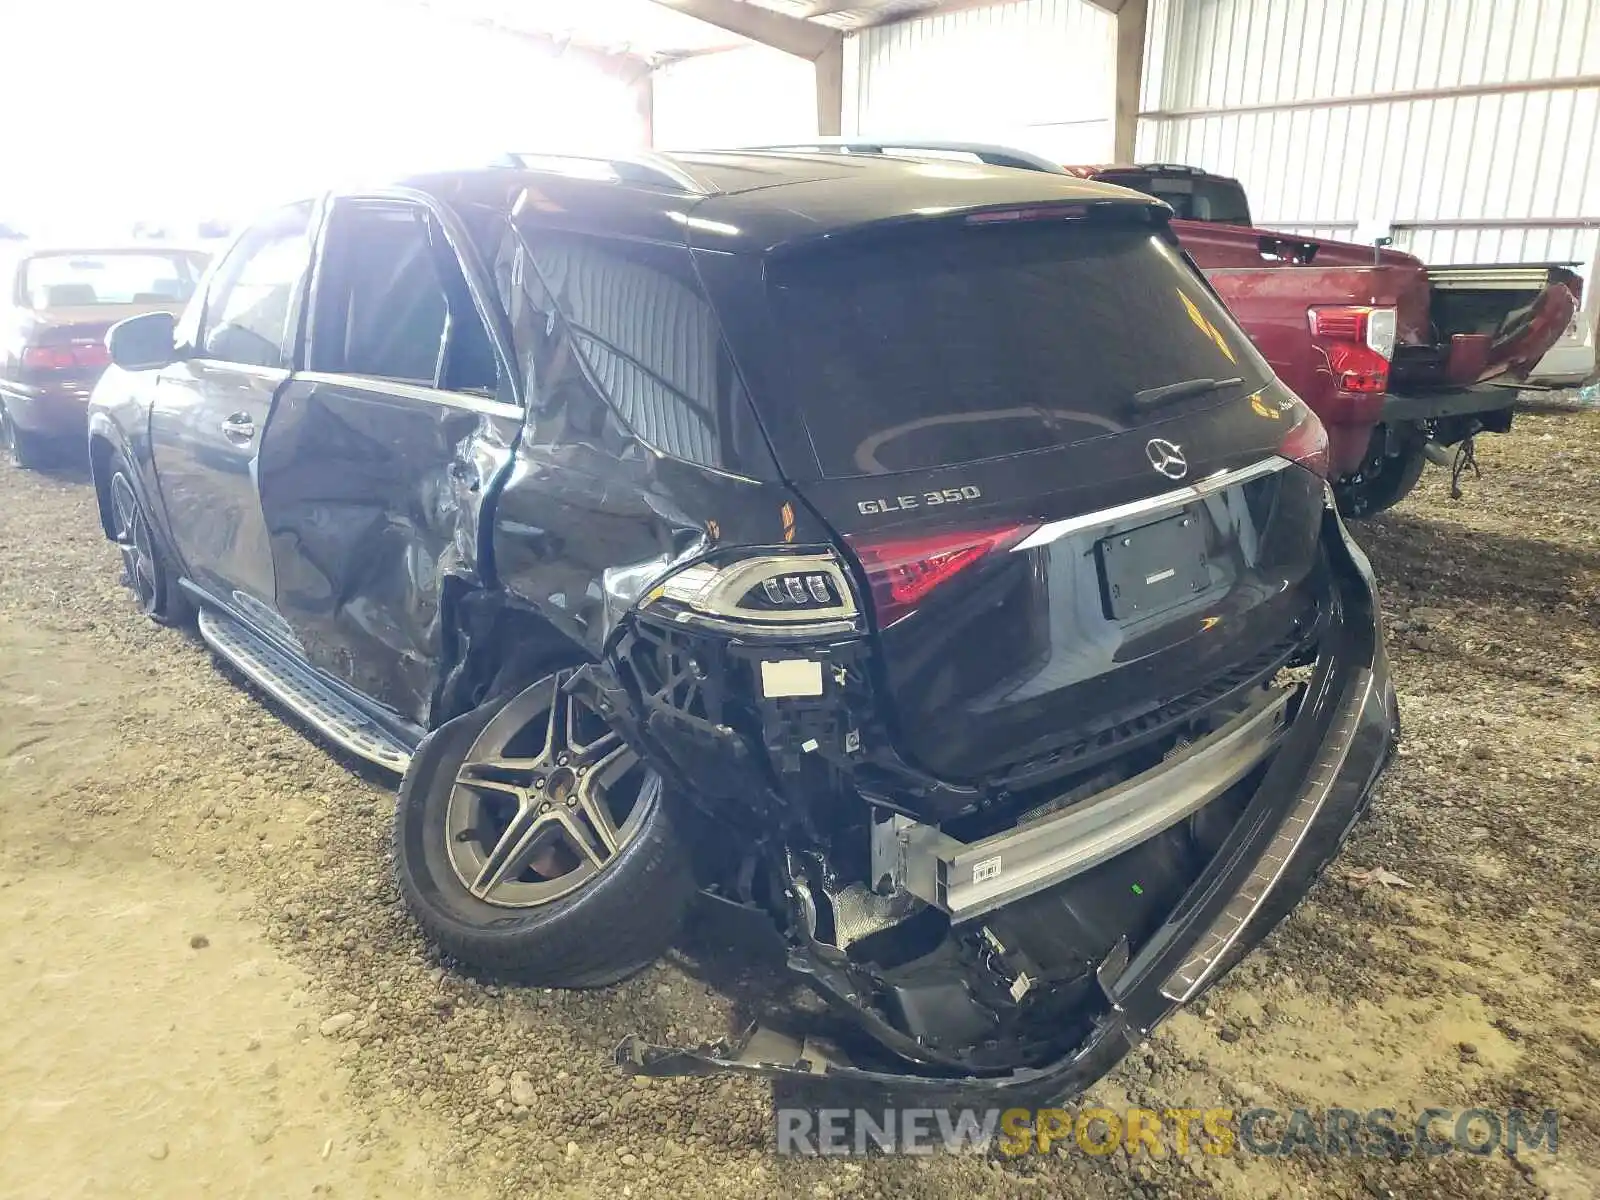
[{"x": 1466, "y": 130}]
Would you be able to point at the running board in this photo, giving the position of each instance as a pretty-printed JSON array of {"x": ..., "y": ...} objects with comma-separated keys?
[{"x": 298, "y": 689}]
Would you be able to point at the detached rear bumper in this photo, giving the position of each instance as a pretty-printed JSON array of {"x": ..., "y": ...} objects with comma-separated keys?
[{"x": 1317, "y": 785}]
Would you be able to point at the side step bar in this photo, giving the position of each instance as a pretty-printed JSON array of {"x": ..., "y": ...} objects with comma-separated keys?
[
  {"x": 297, "y": 688},
  {"x": 967, "y": 880}
]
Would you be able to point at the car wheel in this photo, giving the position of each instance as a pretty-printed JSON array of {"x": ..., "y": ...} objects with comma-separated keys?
[
  {"x": 1382, "y": 482},
  {"x": 21, "y": 448},
  {"x": 532, "y": 844},
  {"x": 145, "y": 569}
]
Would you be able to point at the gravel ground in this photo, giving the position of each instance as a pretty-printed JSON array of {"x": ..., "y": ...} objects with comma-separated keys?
[{"x": 189, "y": 875}]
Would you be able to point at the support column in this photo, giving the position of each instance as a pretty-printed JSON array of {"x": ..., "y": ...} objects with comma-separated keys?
[
  {"x": 1132, "y": 18},
  {"x": 829, "y": 69},
  {"x": 793, "y": 35},
  {"x": 643, "y": 90}
]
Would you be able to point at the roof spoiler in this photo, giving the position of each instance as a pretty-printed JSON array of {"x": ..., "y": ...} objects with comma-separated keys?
[{"x": 984, "y": 152}]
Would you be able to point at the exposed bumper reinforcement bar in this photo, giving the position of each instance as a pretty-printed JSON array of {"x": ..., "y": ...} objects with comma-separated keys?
[
  {"x": 1321, "y": 778},
  {"x": 967, "y": 880}
]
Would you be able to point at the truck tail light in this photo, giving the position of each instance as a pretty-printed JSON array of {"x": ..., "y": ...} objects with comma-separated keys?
[
  {"x": 1359, "y": 343},
  {"x": 903, "y": 571}
]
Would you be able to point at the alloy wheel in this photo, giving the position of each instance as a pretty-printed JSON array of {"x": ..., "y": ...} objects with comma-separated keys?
[
  {"x": 135, "y": 544},
  {"x": 547, "y": 796}
]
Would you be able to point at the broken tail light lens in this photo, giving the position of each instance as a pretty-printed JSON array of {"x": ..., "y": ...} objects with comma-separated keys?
[
  {"x": 1359, "y": 343},
  {"x": 793, "y": 591},
  {"x": 771, "y": 593},
  {"x": 903, "y": 571}
]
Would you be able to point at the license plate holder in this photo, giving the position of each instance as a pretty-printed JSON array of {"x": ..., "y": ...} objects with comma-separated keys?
[{"x": 1153, "y": 568}]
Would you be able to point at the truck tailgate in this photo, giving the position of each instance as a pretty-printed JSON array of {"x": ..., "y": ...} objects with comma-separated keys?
[{"x": 1492, "y": 320}]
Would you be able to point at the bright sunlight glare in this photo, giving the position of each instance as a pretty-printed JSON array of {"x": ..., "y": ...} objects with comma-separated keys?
[{"x": 172, "y": 112}]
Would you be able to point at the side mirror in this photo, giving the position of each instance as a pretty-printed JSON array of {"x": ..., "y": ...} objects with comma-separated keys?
[{"x": 143, "y": 343}]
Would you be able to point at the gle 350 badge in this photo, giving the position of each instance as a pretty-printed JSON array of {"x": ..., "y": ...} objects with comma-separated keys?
[{"x": 891, "y": 504}]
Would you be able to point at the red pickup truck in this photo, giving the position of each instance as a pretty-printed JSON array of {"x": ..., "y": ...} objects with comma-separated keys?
[{"x": 1399, "y": 359}]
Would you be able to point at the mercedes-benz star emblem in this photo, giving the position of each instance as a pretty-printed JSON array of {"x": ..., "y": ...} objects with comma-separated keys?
[{"x": 1167, "y": 457}]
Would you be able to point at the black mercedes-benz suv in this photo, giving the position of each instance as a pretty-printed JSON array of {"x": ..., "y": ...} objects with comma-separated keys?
[{"x": 911, "y": 559}]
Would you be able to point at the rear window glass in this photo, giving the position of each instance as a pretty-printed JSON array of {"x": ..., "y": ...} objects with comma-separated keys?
[
  {"x": 1192, "y": 199},
  {"x": 83, "y": 280},
  {"x": 947, "y": 345}
]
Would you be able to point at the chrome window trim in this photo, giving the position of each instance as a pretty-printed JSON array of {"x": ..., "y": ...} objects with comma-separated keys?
[
  {"x": 1151, "y": 506},
  {"x": 254, "y": 370},
  {"x": 419, "y": 393},
  {"x": 482, "y": 292}
]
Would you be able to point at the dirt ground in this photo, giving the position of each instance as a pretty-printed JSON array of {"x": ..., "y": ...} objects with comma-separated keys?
[{"x": 209, "y": 988}]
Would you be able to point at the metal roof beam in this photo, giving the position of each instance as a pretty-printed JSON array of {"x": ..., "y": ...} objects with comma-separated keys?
[{"x": 792, "y": 35}]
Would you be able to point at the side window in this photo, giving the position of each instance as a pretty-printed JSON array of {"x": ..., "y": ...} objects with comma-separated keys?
[
  {"x": 249, "y": 308},
  {"x": 392, "y": 303},
  {"x": 646, "y": 337}
]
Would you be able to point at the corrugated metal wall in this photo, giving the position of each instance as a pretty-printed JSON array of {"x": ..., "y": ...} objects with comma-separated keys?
[
  {"x": 736, "y": 97},
  {"x": 1469, "y": 127},
  {"x": 1034, "y": 74}
]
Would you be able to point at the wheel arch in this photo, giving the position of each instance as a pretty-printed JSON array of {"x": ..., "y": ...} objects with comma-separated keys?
[
  {"x": 492, "y": 645},
  {"x": 104, "y": 441}
]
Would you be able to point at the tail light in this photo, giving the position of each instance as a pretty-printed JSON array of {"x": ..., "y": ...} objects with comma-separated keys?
[
  {"x": 780, "y": 594},
  {"x": 1306, "y": 444},
  {"x": 1359, "y": 342},
  {"x": 68, "y": 356},
  {"x": 902, "y": 571}
]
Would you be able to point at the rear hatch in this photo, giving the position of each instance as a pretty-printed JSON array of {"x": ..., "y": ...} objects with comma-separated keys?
[{"x": 1060, "y": 550}]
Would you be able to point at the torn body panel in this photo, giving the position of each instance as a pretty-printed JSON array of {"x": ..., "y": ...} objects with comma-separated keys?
[
  {"x": 1039, "y": 989},
  {"x": 373, "y": 501}
]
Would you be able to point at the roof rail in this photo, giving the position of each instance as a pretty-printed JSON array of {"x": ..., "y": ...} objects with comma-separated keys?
[
  {"x": 649, "y": 169},
  {"x": 984, "y": 152}
]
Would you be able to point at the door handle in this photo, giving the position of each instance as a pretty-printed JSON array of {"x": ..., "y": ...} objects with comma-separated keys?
[{"x": 239, "y": 428}]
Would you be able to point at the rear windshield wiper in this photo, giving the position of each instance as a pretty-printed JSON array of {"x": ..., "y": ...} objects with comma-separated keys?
[{"x": 1171, "y": 393}]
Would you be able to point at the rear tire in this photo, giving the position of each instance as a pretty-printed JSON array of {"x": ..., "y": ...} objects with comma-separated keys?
[
  {"x": 22, "y": 449},
  {"x": 486, "y": 867},
  {"x": 1382, "y": 482}
]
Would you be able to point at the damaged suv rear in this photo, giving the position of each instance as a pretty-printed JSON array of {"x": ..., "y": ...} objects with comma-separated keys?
[{"x": 912, "y": 559}]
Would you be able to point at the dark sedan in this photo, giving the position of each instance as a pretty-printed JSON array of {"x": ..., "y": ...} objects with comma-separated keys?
[{"x": 55, "y": 307}]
